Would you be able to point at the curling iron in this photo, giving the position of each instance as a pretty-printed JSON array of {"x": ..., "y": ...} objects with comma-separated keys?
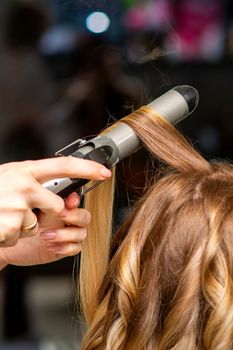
[{"x": 121, "y": 141}]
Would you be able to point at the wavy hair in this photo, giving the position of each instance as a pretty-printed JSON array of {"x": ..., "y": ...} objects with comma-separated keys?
[{"x": 164, "y": 281}]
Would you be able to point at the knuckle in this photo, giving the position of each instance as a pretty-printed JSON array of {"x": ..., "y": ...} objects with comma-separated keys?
[
  {"x": 27, "y": 186},
  {"x": 10, "y": 226},
  {"x": 55, "y": 206},
  {"x": 83, "y": 217},
  {"x": 58, "y": 204},
  {"x": 19, "y": 202},
  {"x": 28, "y": 163},
  {"x": 63, "y": 163},
  {"x": 23, "y": 182},
  {"x": 10, "y": 236},
  {"x": 13, "y": 231}
]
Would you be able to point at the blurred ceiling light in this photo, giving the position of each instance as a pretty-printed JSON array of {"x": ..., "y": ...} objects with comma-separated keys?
[
  {"x": 97, "y": 22},
  {"x": 58, "y": 39}
]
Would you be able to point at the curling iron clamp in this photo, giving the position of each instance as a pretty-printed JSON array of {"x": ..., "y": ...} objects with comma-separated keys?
[{"x": 121, "y": 141}]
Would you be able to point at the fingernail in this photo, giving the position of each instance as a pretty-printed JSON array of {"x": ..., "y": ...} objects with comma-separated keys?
[
  {"x": 48, "y": 235},
  {"x": 105, "y": 172},
  {"x": 63, "y": 213},
  {"x": 54, "y": 247}
]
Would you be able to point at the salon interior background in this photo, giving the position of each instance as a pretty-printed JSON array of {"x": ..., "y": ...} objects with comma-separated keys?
[{"x": 69, "y": 67}]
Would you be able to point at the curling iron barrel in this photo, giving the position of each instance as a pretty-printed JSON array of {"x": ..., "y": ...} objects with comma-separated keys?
[{"x": 121, "y": 141}]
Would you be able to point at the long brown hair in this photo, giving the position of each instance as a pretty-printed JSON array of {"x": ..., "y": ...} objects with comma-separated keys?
[{"x": 167, "y": 282}]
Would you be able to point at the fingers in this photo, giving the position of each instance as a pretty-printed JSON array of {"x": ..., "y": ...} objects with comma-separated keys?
[
  {"x": 30, "y": 224},
  {"x": 64, "y": 250},
  {"x": 21, "y": 191},
  {"x": 46, "y": 169},
  {"x": 45, "y": 200},
  {"x": 79, "y": 217},
  {"x": 67, "y": 241},
  {"x": 17, "y": 225},
  {"x": 71, "y": 234},
  {"x": 21, "y": 182}
]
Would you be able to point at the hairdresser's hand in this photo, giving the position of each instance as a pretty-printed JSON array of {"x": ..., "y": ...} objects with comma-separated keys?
[
  {"x": 21, "y": 191},
  {"x": 57, "y": 238}
]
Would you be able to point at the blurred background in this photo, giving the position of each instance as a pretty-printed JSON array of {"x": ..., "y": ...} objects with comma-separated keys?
[{"x": 67, "y": 69}]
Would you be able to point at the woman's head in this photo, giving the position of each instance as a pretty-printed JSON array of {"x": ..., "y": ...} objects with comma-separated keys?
[{"x": 168, "y": 284}]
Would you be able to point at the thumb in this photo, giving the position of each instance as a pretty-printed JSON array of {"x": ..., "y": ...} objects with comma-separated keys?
[{"x": 72, "y": 201}]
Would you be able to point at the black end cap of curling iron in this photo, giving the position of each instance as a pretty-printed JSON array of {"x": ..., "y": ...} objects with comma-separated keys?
[{"x": 190, "y": 95}]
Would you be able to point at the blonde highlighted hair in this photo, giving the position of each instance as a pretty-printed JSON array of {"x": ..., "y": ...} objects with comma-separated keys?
[{"x": 164, "y": 281}]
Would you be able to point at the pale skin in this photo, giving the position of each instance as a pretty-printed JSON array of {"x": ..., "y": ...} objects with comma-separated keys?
[{"x": 61, "y": 225}]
